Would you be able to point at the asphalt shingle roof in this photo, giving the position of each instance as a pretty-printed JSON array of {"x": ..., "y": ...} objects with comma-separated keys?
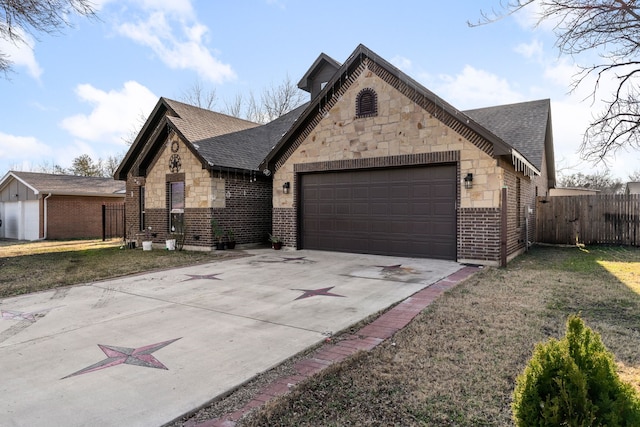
[
  {"x": 247, "y": 148},
  {"x": 197, "y": 123},
  {"x": 70, "y": 184},
  {"x": 522, "y": 125}
]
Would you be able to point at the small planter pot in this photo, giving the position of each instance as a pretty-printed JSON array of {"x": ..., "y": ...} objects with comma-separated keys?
[
  {"x": 231, "y": 245},
  {"x": 276, "y": 245},
  {"x": 147, "y": 245},
  {"x": 220, "y": 246},
  {"x": 171, "y": 244}
]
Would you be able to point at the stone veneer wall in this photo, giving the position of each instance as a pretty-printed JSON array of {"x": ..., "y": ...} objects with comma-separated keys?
[
  {"x": 400, "y": 133},
  {"x": 234, "y": 200}
]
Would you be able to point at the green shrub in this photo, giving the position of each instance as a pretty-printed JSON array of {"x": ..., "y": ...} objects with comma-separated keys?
[{"x": 573, "y": 382}]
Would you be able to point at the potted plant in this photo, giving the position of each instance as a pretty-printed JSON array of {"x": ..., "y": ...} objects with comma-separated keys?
[
  {"x": 147, "y": 243},
  {"x": 218, "y": 235},
  {"x": 231, "y": 239},
  {"x": 276, "y": 242}
]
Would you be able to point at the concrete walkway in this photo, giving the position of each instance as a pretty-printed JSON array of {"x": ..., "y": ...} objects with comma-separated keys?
[{"x": 146, "y": 349}]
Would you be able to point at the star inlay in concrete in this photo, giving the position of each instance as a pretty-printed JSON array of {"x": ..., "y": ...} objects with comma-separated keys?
[
  {"x": 386, "y": 268},
  {"x": 140, "y": 356},
  {"x": 203, "y": 276},
  {"x": 308, "y": 293},
  {"x": 23, "y": 315}
]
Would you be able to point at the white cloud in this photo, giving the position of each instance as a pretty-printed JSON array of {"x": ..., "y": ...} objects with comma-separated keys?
[
  {"x": 402, "y": 63},
  {"x": 14, "y": 147},
  {"x": 113, "y": 113},
  {"x": 476, "y": 88},
  {"x": 172, "y": 32},
  {"x": 22, "y": 54},
  {"x": 533, "y": 50}
]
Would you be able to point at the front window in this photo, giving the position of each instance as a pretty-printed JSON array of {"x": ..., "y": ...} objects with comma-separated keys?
[
  {"x": 142, "y": 219},
  {"x": 176, "y": 206}
]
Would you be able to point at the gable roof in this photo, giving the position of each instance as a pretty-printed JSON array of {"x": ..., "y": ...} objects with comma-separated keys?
[
  {"x": 196, "y": 123},
  {"x": 192, "y": 123},
  {"x": 321, "y": 71},
  {"x": 67, "y": 185},
  {"x": 522, "y": 125},
  {"x": 247, "y": 148},
  {"x": 484, "y": 137}
]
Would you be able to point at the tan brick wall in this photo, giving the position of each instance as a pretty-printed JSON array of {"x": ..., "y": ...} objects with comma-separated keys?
[{"x": 401, "y": 127}]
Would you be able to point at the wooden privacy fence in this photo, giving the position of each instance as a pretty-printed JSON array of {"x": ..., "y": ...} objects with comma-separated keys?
[
  {"x": 113, "y": 220},
  {"x": 600, "y": 219}
]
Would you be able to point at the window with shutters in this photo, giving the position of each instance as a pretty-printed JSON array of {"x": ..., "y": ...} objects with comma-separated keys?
[{"x": 367, "y": 103}]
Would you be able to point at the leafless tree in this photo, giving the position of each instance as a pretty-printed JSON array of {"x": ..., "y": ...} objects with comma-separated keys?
[
  {"x": 135, "y": 128},
  {"x": 20, "y": 17},
  {"x": 274, "y": 101},
  {"x": 611, "y": 28},
  {"x": 279, "y": 100},
  {"x": 200, "y": 96},
  {"x": 50, "y": 167},
  {"x": 635, "y": 176},
  {"x": 110, "y": 164},
  {"x": 602, "y": 181},
  {"x": 254, "y": 110},
  {"x": 234, "y": 107}
]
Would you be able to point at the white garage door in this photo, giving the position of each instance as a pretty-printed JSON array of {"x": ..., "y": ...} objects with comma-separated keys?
[
  {"x": 31, "y": 220},
  {"x": 21, "y": 220}
]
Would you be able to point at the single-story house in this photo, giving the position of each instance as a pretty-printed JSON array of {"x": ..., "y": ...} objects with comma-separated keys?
[
  {"x": 44, "y": 206},
  {"x": 632, "y": 188},
  {"x": 373, "y": 163}
]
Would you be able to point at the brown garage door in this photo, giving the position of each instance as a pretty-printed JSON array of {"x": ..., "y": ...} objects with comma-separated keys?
[{"x": 403, "y": 212}]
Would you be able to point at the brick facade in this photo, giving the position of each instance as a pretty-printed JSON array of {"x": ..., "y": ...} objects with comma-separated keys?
[
  {"x": 479, "y": 235},
  {"x": 240, "y": 202},
  {"x": 75, "y": 217}
]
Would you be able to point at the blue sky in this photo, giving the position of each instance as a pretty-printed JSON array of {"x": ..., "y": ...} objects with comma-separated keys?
[{"x": 85, "y": 91}]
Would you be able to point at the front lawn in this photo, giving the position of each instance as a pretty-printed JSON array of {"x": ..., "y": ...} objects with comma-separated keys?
[
  {"x": 456, "y": 363},
  {"x": 36, "y": 266}
]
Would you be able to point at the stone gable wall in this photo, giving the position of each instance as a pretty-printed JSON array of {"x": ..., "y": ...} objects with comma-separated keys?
[{"x": 401, "y": 127}]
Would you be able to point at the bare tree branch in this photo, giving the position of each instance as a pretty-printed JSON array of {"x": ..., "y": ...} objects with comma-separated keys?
[
  {"x": 610, "y": 28},
  {"x": 19, "y": 17},
  {"x": 199, "y": 96}
]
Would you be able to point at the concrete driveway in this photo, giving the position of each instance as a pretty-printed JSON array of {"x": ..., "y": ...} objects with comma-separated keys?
[{"x": 146, "y": 349}]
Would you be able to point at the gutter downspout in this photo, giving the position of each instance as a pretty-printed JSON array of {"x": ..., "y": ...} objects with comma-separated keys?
[{"x": 45, "y": 216}]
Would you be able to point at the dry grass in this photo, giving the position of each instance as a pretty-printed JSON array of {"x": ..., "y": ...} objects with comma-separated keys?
[
  {"x": 456, "y": 363},
  {"x": 36, "y": 266}
]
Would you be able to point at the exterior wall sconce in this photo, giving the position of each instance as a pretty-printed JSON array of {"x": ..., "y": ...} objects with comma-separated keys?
[
  {"x": 468, "y": 181},
  {"x": 285, "y": 187}
]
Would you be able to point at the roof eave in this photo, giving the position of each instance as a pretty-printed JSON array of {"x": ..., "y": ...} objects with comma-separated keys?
[
  {"x": 135, "y": 149},
  {"x": 17, "y": 178}
]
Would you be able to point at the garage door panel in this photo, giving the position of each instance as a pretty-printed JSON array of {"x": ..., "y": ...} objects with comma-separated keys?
[{"x": 403, "y": 212}]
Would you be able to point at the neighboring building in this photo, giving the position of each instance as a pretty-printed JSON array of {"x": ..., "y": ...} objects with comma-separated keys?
[
  {"x": 43, "y": 206},
  {"x": 633, "y": 188},
  {"x": 568, "y": 191},
  {"x": 375, "y": 163}
]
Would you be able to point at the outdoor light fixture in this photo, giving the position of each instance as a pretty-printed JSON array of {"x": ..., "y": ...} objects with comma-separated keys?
[
  {"x": 285, "y": 187},
  {"x": 468, "y": 181}
]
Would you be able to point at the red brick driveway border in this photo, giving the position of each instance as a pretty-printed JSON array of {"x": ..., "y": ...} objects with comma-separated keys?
[{"x": 365, "y": 339}]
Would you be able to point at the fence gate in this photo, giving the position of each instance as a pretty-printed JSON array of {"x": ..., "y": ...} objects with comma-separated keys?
[
  {"x": 113, "y": 221},
  {"x": 596, "y": 219}
]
